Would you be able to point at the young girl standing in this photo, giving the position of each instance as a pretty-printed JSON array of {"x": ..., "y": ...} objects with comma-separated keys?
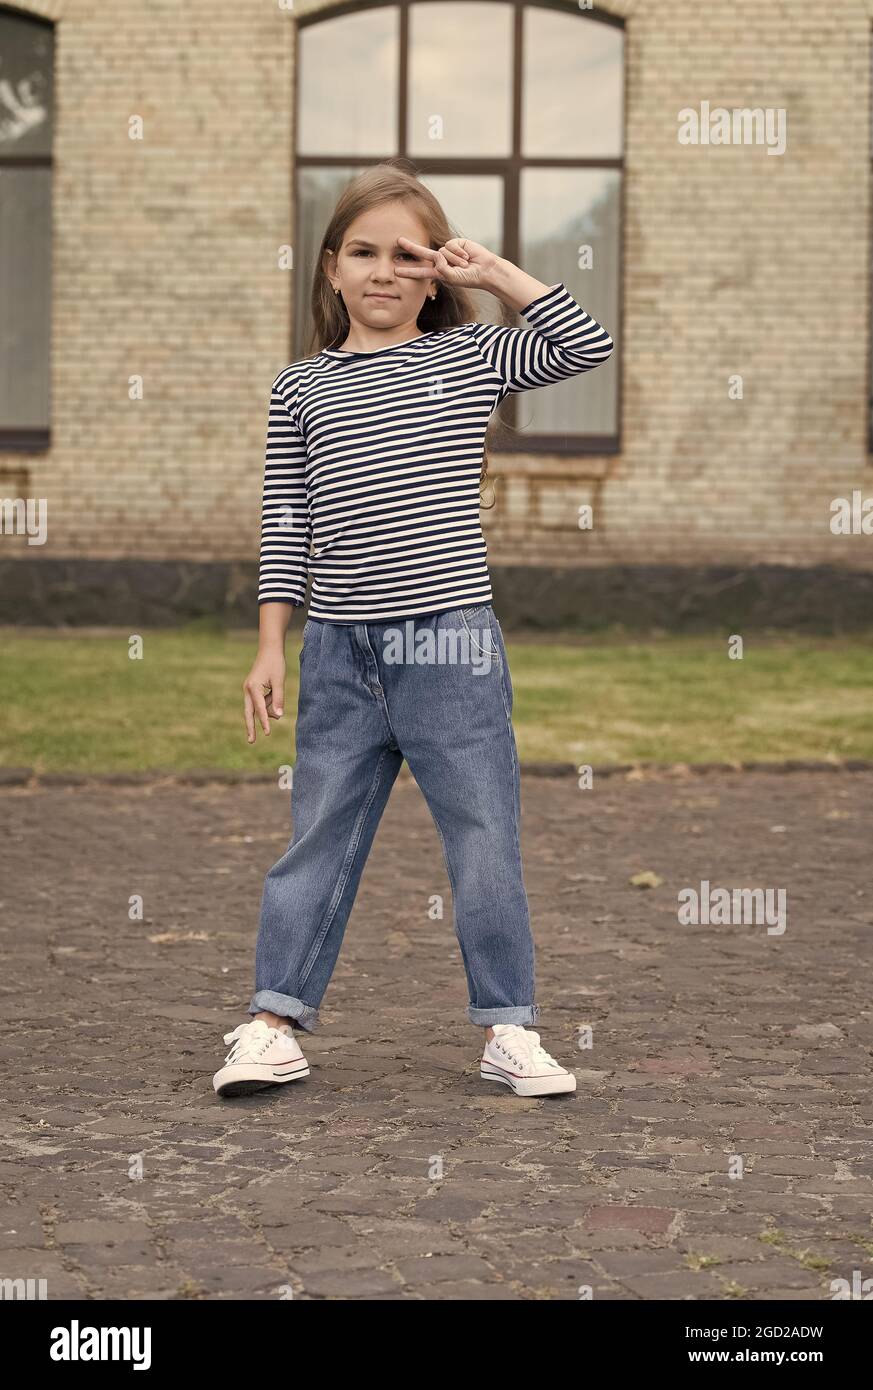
[{"x": 374, "y": 462}]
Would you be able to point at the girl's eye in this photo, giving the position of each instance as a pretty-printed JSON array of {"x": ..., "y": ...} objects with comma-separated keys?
[{"x": 364, "y": 252}]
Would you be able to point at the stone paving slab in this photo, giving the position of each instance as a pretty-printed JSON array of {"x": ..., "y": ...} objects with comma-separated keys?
[{"x": 394, "y": 1172}]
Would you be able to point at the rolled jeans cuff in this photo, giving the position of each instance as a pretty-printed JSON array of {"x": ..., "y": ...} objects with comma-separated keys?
[
  {"x": 268, "y": 1001},
  {"x": 519, "y": 1013}
]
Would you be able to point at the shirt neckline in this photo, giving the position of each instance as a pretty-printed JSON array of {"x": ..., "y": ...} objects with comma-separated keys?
[{"x": 374, "y": 352}]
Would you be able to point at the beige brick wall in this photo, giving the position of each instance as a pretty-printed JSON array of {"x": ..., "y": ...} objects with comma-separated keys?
[{"x": 165, "y": 267}]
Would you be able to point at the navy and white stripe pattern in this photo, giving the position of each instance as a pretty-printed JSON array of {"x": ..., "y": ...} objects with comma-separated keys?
[{"x": 373, "y": 461}]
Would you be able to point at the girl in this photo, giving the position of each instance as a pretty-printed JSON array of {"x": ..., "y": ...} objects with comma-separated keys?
[{"x": 374, "y": 462}]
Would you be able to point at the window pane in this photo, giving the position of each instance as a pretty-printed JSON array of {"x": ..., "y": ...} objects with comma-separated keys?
[
  {"x": 317, "y": 194},
  {"x": 348, "y": 84},
  {"x": 460, "y": 76},
  {"x": 562, "y": 212},
  {"x": 25, "y": 86},
  {"x": 25, "y": 294},
  {"x": 474, "y": 207},
  {"x": 572, "y": 89}
]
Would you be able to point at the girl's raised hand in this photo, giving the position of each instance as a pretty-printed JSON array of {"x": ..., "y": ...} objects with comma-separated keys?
[{"x": 460, "y": 262}]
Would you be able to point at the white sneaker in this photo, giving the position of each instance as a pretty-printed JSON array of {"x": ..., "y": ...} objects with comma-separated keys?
[
  {"x": 514, "y": 1057},
  {"x": 260, "y": 1056}
]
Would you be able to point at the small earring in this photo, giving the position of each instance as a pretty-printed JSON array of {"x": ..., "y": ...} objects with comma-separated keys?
[{"x": 336, "y": 289}]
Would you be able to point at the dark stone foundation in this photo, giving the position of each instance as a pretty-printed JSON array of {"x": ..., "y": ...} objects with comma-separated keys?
[{"x": 676, "y": 598}]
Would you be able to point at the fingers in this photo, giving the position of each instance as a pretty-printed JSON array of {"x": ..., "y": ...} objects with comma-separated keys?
[
  {"x": 255, "y": 708},
  {"x": 457, "y": 247},
  {"x": 451, "y": 264},
  {"x": 261, "y": 710},
  {"x": 249, "y": 714},
  {"x": 439, "y": 270},
  {"x": 274, "y": 701},
  {"x": 454, "y": 253},
  {"x": 414, "y": 246},
  {"x": 453, "y": 257}
]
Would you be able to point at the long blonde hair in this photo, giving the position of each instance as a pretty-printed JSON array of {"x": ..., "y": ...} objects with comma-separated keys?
[{"x": 394, "y": 180}]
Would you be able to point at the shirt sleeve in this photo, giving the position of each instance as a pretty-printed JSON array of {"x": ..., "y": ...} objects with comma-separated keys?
[
  {"x": 563, "y": 342},
  {"x": 286, "y": 527}
]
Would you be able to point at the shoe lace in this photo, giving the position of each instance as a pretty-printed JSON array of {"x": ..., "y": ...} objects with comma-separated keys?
[
  {"x": 246, "y": 1042},
  {"x": 526, "y": 1042}
]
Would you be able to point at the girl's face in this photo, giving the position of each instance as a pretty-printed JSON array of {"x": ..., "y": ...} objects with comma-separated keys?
[{"x": 365, "y": 269}]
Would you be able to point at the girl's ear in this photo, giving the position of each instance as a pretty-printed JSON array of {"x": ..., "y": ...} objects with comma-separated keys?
[{"x": 328, "y": 263}]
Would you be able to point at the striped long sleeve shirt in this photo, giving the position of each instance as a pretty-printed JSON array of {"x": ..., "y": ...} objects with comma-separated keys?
[{"x": 373, "y": 462}]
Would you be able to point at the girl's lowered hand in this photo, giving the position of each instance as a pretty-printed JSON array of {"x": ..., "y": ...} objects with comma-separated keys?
[
  {"x": 269, "y": 671},
  {"x": 460, "y": 262}
]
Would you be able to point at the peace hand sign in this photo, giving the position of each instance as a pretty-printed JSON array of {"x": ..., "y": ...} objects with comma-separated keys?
[{"x": 460, "y": 262}]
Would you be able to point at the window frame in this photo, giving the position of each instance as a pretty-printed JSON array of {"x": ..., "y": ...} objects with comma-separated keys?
[
  {"x": 34, "y": 438},
  {"x": 869, "y": 372},
  {"x": 509, "y": 168}
]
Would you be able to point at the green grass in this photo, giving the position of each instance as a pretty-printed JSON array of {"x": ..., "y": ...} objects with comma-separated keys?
[{"x": 73, "y": 701}]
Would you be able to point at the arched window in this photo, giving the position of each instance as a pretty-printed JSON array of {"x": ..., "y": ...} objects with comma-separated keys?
[
  {"x": 514, "y": 114},
  {"x": 26, "y": 52}
]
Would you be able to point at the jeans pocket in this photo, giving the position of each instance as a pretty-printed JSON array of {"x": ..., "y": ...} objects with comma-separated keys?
[
  {"x": 504, "y": 665},
  {"x": 471, "y": 610},
  {"x": 307, "y": 628},
  {"x": 477, "y": 623}
]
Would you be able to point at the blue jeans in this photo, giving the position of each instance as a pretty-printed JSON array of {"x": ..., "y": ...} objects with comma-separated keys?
[{"x": 435, "y": 690}]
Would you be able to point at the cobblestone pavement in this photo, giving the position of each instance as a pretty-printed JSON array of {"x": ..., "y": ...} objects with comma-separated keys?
[{"x": 394, "y": 1172}]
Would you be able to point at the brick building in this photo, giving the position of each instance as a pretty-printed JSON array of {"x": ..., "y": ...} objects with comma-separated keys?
[{"x": 697, "y": 174}]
